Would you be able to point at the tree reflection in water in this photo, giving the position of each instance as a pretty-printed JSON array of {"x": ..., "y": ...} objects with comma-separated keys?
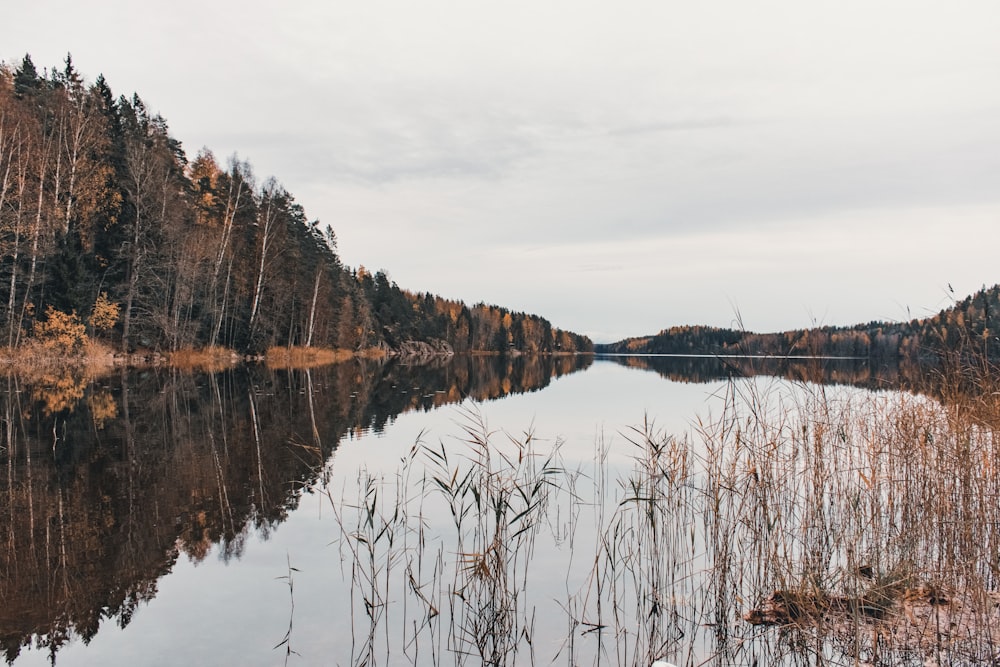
[
  {"x": 109, "y": 480},
  {"x": 799, "y": 514}
]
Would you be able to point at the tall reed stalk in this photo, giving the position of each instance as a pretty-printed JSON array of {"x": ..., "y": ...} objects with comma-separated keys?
[{"x": 798, "y": 525}]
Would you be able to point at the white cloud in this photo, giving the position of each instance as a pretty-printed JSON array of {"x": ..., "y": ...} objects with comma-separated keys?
[{"x": 617, "y": 168}]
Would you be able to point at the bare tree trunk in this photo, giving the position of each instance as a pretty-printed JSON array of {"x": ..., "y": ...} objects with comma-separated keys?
[
  {"x": 75, "y": 144},
  {"x": 232, "y": 204},
  {"x": 131, "y": 455},
  {"x": 225, "y": 301},
  {"x": 260, "y": 465},
  {"x": 133, "y": 281},
  {"x": 11, "y": 452},
  {"x": 225, "y": 506},
  {"x": 35, "y": 242},
  {"x": 312, "y": 308},
  {"x": 16, "y": 249},
  {"x": 268, "y": 225},
  {"x": 27, "y": 462},
  {"x": 63, "y": 557},
  {"x": 147, "y": 164},
  {"x": 312, "y": 415},
  {"x": 58, "y": 172}
]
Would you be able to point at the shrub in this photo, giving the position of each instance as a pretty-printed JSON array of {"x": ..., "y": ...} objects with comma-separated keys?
[
  {"x": 105, "y": 314},
  {"x": 61, "y": 333}
]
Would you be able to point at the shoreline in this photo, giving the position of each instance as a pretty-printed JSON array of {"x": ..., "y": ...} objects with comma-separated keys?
[{"x": 100, "y": 359}]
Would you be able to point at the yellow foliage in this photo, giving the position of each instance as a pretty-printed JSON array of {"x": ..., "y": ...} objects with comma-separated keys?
[
  {"x": 103, "y": 408},
  {"x": 58, "y": 392},
  {"x": 105, "y": 314},
  {"x": 637, "y": 343},
  {"x": 62, "y": 333}
]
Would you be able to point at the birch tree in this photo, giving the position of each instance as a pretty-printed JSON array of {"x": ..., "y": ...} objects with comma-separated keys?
[{"x": 148, "y": 168}]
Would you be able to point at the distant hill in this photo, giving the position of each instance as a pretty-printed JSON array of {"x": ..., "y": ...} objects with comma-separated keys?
[
  {"x": 106, "y": 223},
  {"x": 971, "y": 326}
]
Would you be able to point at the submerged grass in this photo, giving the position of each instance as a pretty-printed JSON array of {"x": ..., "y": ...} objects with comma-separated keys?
[{"x": 819, "y": 526}]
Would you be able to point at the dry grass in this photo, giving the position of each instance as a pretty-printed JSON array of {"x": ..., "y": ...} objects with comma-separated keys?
[
  {"x": 372, "y": 353},
  {"x": 36, "y": 357},
  {"x": 32, "y": 359},
  {"x": 801, "y": 524},
  {"x": 209, "y": 359},
  {"x": 304, "y": 357},
  {"x": 865, "y": 525}
]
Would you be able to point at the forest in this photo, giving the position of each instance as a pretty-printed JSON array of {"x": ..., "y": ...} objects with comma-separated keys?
[
  {"x": 109, "y": 231},
  {"x": 968, "y": 328}
]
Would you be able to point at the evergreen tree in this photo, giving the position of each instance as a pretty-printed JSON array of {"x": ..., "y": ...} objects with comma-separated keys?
[
  {"x": 26, "y": 79},
  {"x": 70, "y": 280}
]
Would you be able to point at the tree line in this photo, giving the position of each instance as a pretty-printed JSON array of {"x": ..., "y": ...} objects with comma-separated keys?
[
  {"x": 969, "y": 328},
  {"x": 106, "y": 224}
]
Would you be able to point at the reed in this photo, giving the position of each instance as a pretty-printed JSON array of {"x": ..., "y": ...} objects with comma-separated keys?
[
  {"x": 471, "y": 569},
  {"x": 864, "y": 522},
  {"x": 286, "y": 641},
  {"x": 798, "y": 524}
]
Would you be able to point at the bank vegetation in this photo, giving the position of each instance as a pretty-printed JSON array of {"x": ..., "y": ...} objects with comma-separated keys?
[{"x": 111, "y": 233}]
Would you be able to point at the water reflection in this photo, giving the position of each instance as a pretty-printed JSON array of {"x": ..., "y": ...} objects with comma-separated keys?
[
  {"x": 111, "y": 482},
  {"x": 108, "y": 481},
  {"x": 819, "y": 370},
  {"x": 850, "y": 371}
]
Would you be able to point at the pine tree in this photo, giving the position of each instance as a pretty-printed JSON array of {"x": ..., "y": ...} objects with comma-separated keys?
[{"x": 26, "y": 80}]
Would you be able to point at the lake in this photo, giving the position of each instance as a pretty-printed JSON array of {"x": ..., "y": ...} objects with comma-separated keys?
[{"x": 569, "y": 510}]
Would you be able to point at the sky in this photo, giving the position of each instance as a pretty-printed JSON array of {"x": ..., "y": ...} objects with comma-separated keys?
[{"x": 618, "y": 168}]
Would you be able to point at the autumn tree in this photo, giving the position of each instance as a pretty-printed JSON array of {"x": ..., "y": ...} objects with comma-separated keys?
[
  {"x": 99, "y": 208},
  {"x": 104, "y": 315},
  {"x": 152, "y": 160}
]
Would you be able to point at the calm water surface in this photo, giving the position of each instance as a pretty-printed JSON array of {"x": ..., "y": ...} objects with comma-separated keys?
[{"x": 159, "y": 517}]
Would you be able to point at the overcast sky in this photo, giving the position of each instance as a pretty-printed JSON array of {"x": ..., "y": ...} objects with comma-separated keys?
[{"x": 616, "y": 167}]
